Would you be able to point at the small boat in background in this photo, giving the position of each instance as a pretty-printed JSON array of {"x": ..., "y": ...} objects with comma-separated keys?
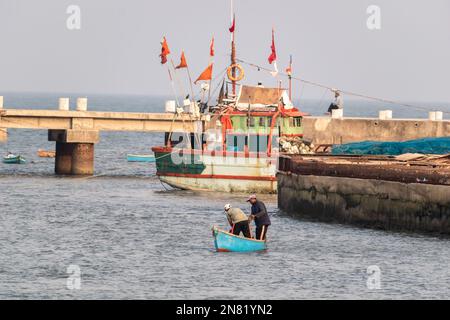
[
  {"x": 140, "y": 158},
  {"x": 13, "y": 159},
  {"x": 227, "y": 242},
  {"x": 46, "y": 154}
]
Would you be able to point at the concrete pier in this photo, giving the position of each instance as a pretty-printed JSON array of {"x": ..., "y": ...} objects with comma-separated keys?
[
  {"x": 417, "y": 205},
  {"x": 326, "y": 130}
]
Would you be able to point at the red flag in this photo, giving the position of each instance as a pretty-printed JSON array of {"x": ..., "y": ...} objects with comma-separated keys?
[
  {"x": 273, "y": 55},
  {"x": 206, "y": 74},
  {"x": 233, "y": 26},
  {"x": 165, "y": 51},
  {"x": 211, "y": 48},
  {"x": 183, "y": 62}
]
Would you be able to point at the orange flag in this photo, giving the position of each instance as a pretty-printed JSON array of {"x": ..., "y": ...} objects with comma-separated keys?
[
  {"x": 165, "y": 51},
  {"x": 206, "y": 75},
  {"x": 183, "y": 63},
  {"x": 211, "y": 48}
]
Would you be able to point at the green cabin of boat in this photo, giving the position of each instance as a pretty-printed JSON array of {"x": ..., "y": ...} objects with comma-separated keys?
[{"x": 259, "y": 118}]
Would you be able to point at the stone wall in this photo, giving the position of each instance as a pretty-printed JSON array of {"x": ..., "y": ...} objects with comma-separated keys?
[
  {"x": 365, "y": 202},
  {"x": 325, "y": 130}
]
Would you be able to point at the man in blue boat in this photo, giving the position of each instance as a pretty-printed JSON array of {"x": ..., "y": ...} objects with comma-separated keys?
[
  {"x": 261, "y": 217},
  {"x": 238, "y": 221}
]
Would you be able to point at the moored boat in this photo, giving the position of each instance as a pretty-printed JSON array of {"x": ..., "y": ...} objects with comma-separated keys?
[
  {"x": 227, "y": 242},
  {"x": 140, "y": 158},
  {"x": 235, "y": 143},
  {"x": 46, "y": 154},
  {"x": 13, "y": 159}
]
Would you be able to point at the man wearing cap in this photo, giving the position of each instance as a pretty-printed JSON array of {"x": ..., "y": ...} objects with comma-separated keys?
[
  {"x": 238, "y": 221},
  {"x": 261, "y": 217},
  {"x": 338, "y": 102}
]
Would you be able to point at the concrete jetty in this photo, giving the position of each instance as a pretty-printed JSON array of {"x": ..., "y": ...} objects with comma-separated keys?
[
  {"x": 376, "y": 192},
  {"x": 328, "y": 130}
]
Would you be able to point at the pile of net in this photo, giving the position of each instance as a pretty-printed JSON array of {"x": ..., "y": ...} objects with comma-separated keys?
[
  {"x": 423, "y": 146},
  {"x": 296, "y": 145}
]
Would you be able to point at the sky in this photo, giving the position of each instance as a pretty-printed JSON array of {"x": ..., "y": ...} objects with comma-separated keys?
[{"x": 116, "y": 50}]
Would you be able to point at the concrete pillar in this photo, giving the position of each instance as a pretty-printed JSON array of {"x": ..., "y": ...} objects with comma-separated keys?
[
  {"x": 82, "y": 104},
  {"x": 83, "y": 159},
  {"x": 63, "y": 159},
  {"x": 64, "y": 104},
  {"x": 74, "y": 158},
  {"x": 74, "y": 151}
]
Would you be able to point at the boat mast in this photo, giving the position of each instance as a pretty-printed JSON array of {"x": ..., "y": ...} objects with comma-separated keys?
[{"x": 233, "y": 51}]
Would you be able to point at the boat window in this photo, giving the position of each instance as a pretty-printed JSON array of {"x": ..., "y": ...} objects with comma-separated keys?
[
  {"x": 258, "y": 143},
  {"x": 291, "y": 122},
  {"x": 262, "y": 122},
  {"x": 236, "y": 143},
  {"x": 297, "y": 121},
  {"x": 251, "y": 122}
]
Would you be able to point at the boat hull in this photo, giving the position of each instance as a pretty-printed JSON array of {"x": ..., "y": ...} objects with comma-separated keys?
[
  {"x": 231, "y": 172},
  {"x": 214, "y": 183},
  {"x": 46, "y": 154},
  {"x": 140, "y": 158},
  {"x": 15, "y": 160},
  {"x": 227, "y": 242}
]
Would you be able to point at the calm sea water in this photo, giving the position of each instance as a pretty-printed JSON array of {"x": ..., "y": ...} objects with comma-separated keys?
[{"x": 132, "y": 238}]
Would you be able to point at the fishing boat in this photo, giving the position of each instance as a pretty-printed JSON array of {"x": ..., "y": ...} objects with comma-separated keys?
[
  {"x": 46, "y": 154},
  {"x": 227, "y": 242},
  {"x": 236, "y": 149},
  {"x": 140, "y": 158},
  {"x": 13, "y": 159}
]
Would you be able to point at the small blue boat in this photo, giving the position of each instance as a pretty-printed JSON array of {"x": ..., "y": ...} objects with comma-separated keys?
[
  {"x": 227, "y": 242},
  {"x": 12, "y": 159},
  {"x": 140, "y": 158}
]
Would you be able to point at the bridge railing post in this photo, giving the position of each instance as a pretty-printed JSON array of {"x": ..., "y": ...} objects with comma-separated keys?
[
  {"x": 64, "y": 104},
  {"x": 82, "y": 104}
]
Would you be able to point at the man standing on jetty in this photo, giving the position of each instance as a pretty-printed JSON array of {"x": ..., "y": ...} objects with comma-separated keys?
[{"x": 261, "y": 217}]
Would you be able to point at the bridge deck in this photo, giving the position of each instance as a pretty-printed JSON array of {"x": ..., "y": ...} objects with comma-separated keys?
[{"x": 94, "y": 120}]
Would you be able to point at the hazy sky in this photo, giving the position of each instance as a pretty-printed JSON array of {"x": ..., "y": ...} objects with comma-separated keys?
[{"x": 116, "y": 50}]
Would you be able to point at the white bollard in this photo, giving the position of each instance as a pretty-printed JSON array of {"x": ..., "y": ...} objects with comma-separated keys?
[
  {"x": 64, "y": 104},
  {"x": 436, "y": 115},
  {"x": 337, "y": 113},
  {"x": 82, "y": 104},
  {"x": 385, "y": 115},
  {"x": 1, "y": 102},
  {"x": 432, "y": 115}
]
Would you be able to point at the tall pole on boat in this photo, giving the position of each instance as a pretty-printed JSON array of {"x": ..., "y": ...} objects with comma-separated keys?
[
  {"x": 233, "y": 48},
  {"x": 290, "y": 77}
]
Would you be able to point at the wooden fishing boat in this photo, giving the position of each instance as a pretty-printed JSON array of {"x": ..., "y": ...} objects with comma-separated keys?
[
  {"x": 46, "y": 154},
  {"x": 140, "y": 158},
  {"x": 227, "y": 242},
  {"x": 236, "y": 147},
  {"x": 13, "y": 159}
]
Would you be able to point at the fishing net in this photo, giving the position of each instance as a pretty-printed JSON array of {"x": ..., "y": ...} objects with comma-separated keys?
[{"x": 423, "y": 146}]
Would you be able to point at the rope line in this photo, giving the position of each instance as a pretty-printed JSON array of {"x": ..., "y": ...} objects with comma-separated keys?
[{"x": 350, "y": 93}]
